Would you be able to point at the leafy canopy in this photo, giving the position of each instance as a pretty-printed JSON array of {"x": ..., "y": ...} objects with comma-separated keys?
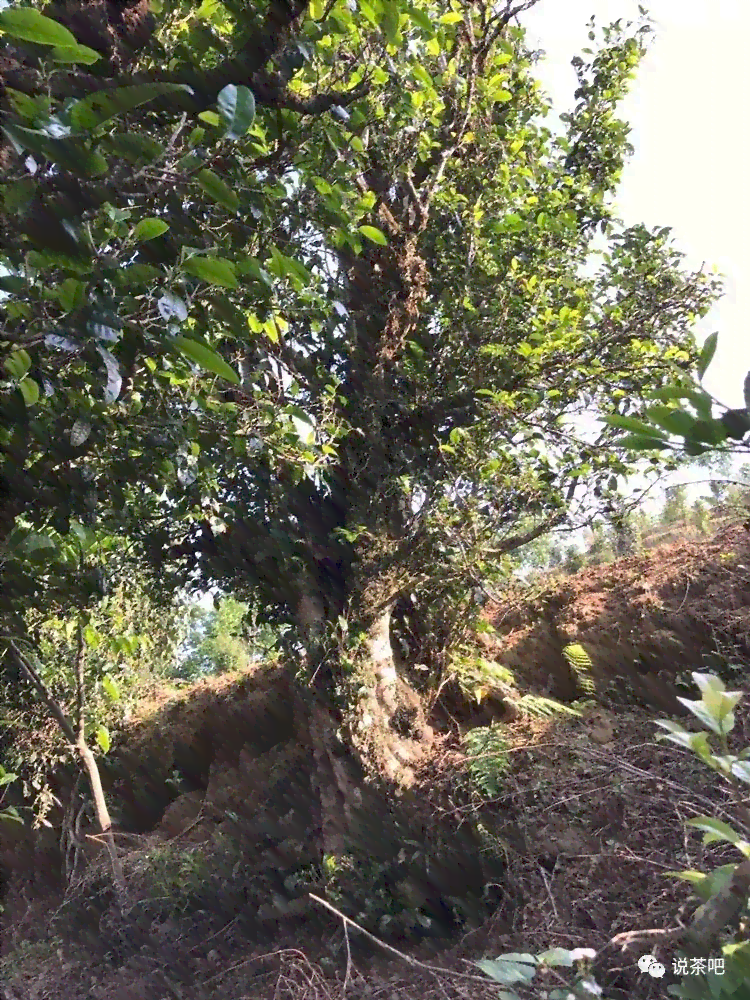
[{"x": 313, "y": 296}]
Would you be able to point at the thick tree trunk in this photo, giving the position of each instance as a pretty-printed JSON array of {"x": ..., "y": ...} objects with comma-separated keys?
[
  {"x": 379, "y": 735},
  {"x": 392, "y": 709}
]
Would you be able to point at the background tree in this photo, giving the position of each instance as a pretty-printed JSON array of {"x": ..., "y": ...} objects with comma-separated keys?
[
  {"x": 599, "y": 548},
  {"x": 675, "y": 510},
  {"x": 574, "y": 560},
  {"x": 700, "y": 516},
  {"x": 222, "y": 639}
]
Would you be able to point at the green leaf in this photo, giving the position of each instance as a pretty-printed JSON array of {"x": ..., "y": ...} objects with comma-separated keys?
[
  {"x": 136, "y": 274},
  {"x": 389, "y": 22},
  {"x": 215, "y": 188},
  {"x": 421, "y": 18},
  {"x": 702, "y": 402},
  {"x": 710, "y": 431},
  {"x": 451, "y": 18},
  {"x": 92, "y": 638},
  {"x": 111, "y": 688},
  {"x": 509, "y": 969},
  {"x": 632, "y": 424},
  {"x": 71, "y": 294},
  {"x": 237, "y": 108},
  {"x": 741, "y": 770},
  {"x": 102, "y": 738},
  {"x": 13, "y": 283},
  {"x": 639, "y": 442},
  {"x": 38, "y": 546},
  {"x": 69, "y": 153},
  {"x": 707, "y": 353},
  {"x": 204, "y": 357},
  {"x": 134, "y": 147},
  {"x": 214, "y": 270},
  {"x": 672, "y": 420},
  {"x": 30, "y": 391},
  {"x": 714, "y": 829},
  {"x": 11, "y": 815},
  {"x": 149, "y": 229},
  {"x": 374, "y": 234},
  {"x": 80, "y": 54},
  {"x": 100, "y": 107},
  {"x": 31, "y": 26},
  {"x": 18, "y": 364}
]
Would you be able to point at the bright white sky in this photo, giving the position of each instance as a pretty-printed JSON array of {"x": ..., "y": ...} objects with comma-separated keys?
[{"x": 688, "y": 112}]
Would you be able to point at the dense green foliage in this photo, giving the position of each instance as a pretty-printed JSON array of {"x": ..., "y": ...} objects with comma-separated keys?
[{"x": 307, "y": 300}]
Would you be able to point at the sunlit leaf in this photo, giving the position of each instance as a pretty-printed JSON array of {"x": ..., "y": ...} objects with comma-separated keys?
[
  {"x": 111, "y": 688},
  {"x": 149, "y": 229},
  {"x": 374, "y": 234},
  {"x": 38, "y": 545},
  {"x": 18, "y": 364},
  {"x": 29, "y": 25},
  {"x": 103, "y": 738},
  {"x": 714, "y": 829},
  {"x": 30, "y": 390},
  {"x": 71, "y": 294}
]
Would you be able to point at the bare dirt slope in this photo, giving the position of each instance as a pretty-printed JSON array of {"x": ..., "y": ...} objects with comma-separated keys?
[
  {"x": 218, "y": 818},
  {"x": 646, "y": 622}
]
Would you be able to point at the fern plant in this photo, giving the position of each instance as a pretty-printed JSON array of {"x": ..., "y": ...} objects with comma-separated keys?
[
  {"x": 539, "y": 707},
  {"x": 487, "y": 749},
  {"x": 580, "y": 663}
]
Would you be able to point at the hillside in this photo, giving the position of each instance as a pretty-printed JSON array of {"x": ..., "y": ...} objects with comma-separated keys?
[{"x": 562, "y": 840}]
